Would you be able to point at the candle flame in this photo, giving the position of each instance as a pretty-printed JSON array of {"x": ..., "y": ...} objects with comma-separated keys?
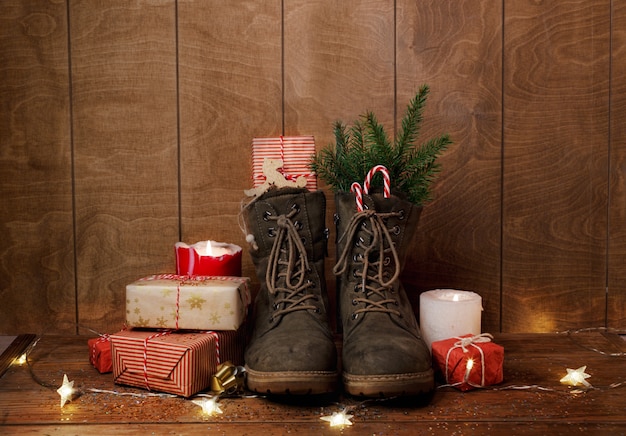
[
  {"x": 455, "y": 297},
  {"x": 209, "y": 248}
]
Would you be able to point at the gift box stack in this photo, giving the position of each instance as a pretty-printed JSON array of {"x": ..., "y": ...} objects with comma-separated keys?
[{"x": 180, "y": 328}]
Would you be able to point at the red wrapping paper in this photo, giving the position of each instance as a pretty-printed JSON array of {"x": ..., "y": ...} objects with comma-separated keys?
[
  {"x": 100, "y": 353},
  {"x": 295, "y": 152},
  {"x": 175, "y": 362},
  {"x": 450, "y": 357}
]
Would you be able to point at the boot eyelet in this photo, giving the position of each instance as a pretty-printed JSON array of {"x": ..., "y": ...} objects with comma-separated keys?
[
  {"x": 387, "y": 261},
  {"x": 316, "y": 310},
  {"x": 271, "y": 320},
  {"x": 395, "y": 230},
  {"x": 295, "y": 207},
  {"x": 354, "y": 302},
  {"x": 355, "y": 274},
  {"x": 303, "y": 240},
  {"x": 357, "y": 257},
  {"x": 298, "y": 225},
  {"x": 275, "y": 306},
  {"x": 271, "y": 232},
  {"x": 354, "y": 316},
  {"x": 266, "y": 215},
  {"x": 357, "y": 287},
  {"x": 364, "y": 225},
  {"x": 336, "y": 218},
  {"x": 401, "y": 214}
]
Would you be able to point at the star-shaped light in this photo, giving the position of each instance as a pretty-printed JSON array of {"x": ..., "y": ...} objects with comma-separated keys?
[
  {"x": 66, "y": 390},
  {"x": 338, "y": 419},
  {"x": 576, "y": 377},
  {"x": 209, "y": 405}
]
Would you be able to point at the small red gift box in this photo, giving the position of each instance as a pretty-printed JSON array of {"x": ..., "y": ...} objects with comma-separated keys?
[
  {"x": 469, "y": 362},
  {"x": 294, "y": 151},
  {"x": 175, "y": 362},
  {"x": 100, "y": 353}
]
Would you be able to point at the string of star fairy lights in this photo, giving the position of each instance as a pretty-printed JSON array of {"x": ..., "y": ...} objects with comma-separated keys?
[
  {"x": 68, "y": 393},
  {"x": 573, "y": 333},
  {"x": 209, "y": 403}
]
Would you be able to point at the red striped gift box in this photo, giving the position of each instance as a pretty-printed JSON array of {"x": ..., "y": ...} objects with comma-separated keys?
[
  {"x": 295, "y": 152},
  {"x": 175, "y": 362}
]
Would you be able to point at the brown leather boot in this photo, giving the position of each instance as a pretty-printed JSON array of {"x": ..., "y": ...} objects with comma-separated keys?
[
  {"x": 383, "y": 353},
  {"x": 291, "y": 350}
]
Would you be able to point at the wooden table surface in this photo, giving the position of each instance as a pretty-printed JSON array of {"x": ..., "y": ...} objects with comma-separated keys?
[{"x": 531, "y": 400}]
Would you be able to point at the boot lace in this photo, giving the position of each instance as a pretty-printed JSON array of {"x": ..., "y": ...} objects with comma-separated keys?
[
  {"x": 376, "y": 256},
  {"x": 288, "y": 266}
]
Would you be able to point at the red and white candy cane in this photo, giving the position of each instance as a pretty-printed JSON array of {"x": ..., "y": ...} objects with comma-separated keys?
[
  {"x": 386, "y": 180},
  {"x": 358, "y": 193}
]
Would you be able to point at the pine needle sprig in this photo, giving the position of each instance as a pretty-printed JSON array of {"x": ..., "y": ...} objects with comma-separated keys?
[{"x": 365, "y": 144}]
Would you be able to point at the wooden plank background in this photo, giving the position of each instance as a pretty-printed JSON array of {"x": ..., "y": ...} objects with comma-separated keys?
[{"x": 126, "y": 126}]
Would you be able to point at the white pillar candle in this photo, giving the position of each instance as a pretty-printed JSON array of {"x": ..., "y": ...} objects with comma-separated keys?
[{"x": 446, "y": 313}]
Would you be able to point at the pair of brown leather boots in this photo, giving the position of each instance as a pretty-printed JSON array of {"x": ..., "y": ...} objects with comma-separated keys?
[{"x": 291, "y": 350}]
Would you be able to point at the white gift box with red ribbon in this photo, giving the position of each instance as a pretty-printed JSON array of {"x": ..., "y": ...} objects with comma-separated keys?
[
  {"x": 187, "y": 302},
  {"x": 294, "y": 151}
]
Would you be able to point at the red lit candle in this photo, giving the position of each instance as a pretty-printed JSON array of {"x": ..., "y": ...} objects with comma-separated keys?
[{"x": 208, "y": 258}]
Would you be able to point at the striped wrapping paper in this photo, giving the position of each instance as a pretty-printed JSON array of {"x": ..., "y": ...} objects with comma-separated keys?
[
  {"x": 176, "y": 362},
  {"x": 295, "y": 152}
]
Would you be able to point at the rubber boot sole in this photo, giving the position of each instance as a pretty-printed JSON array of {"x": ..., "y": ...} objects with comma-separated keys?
[
  {"x": 389, "y": 385},
  {"x": 292, "y": 382}
]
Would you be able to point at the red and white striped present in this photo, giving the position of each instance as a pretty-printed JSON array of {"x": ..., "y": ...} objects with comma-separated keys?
[
  {"x": 295, "y": 152},
  {"x": 176, "y": 362}
]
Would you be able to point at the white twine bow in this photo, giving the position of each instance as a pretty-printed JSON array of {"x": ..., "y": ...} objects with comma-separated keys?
[
  {"x": 464, "y": 343},
  {"x": 471, "y": 340}
]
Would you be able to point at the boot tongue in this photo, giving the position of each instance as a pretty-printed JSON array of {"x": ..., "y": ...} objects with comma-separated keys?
[
  {"x": 368, "y": 240},
  {"x": 288, "y": 257},
  {"x": 288, "y": 265},
  {"x": 370, "y": 243}
]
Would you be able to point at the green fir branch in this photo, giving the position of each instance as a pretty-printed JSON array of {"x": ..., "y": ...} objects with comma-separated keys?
[{"x": 357, "y": 149}]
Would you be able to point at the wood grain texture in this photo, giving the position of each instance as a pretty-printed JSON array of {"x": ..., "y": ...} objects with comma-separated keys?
[
  {"x": 556, "y": 89},
  {"x": 338, "y": 64},
  {"x": 125, "y": 148},
  {"x": 230, "y": 92},
  {"x": 616, "y": 305},
  {"x": 455, "y": 48},
  {"x": 538, "y": 360},
  {"x": 36, "y": 242},
  {"x": 147, "y": 140}
]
